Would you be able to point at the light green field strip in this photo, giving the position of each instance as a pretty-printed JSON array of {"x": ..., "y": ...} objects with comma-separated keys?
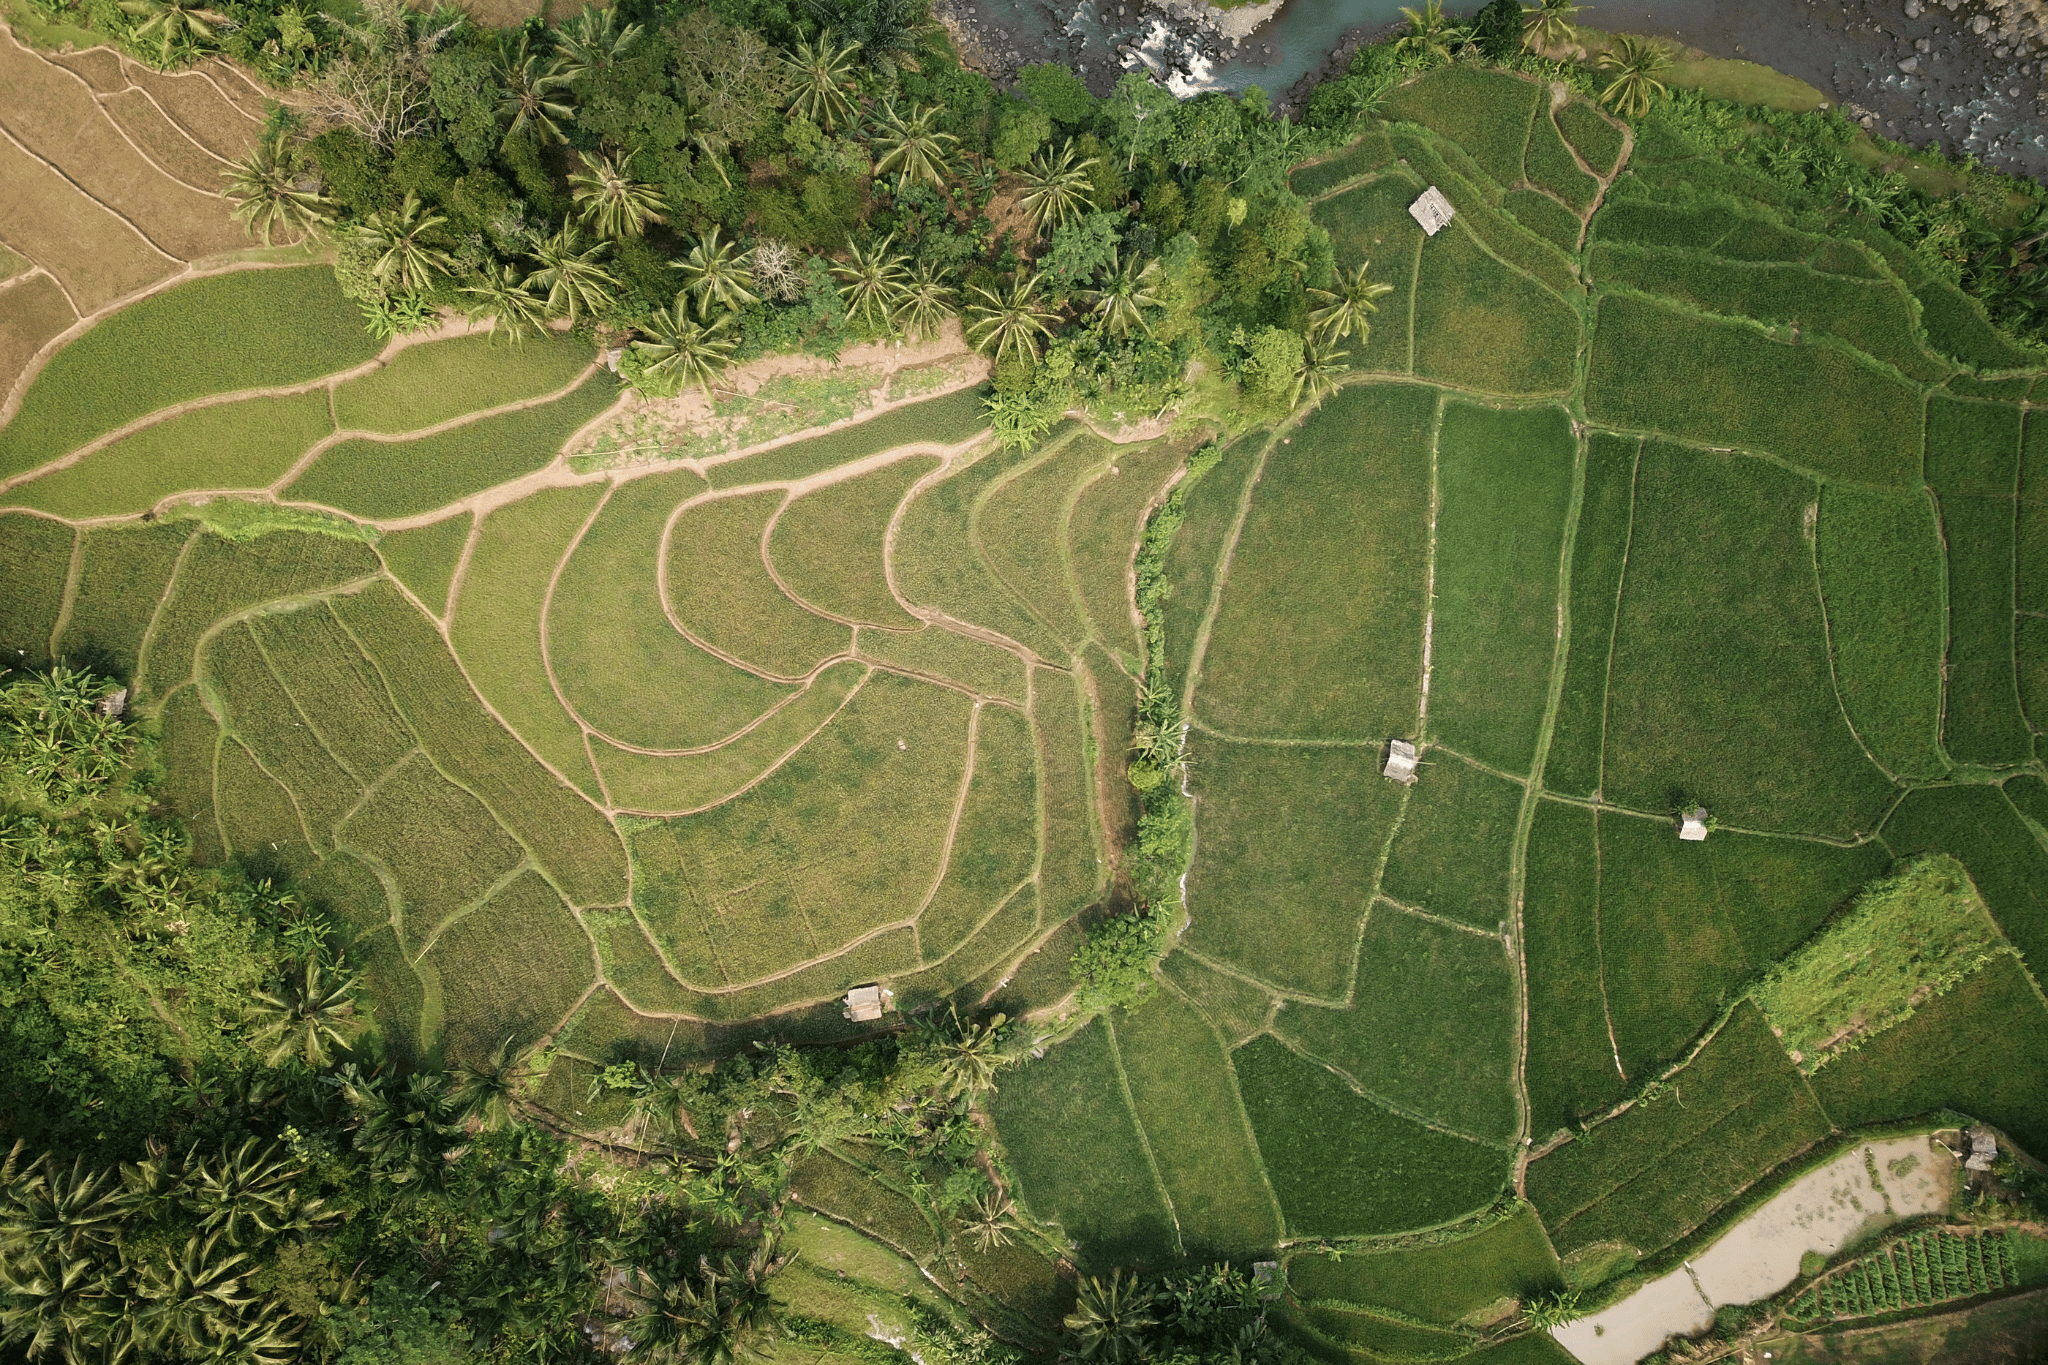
[
  {"x": 397, "y": 479},
  {"x": 123, "y": 574},
  {"x": 995, "y": 844},
  {"x": 1437, "y": 1282},
  {"x": 661, "y": 784},
  {"x": 1291, "y": 835},
  {"x": 1195, "y": 558},
  {"x": 1344, "y": 1166},
  {"x": 619, "y": 661},
  {"x": 827, "y": 545},
  {"x": 844, "y": 837},
  {"x": 1812, "y": 404},
  {"x": 1599, "y": 556},
  {"x": 1103, "y": 532},
  {"x": 1077, "y": 1151},
  {"x": 237, "y": 680},
  {"x": 35, "y": 566},
  {"x": 1876, "y": 316},
  {"x": 720, "y": 590},
  {"x": 1881, "y": 570},
  {"x": 259, "y": 825},
  {"x": 1453, "y": 855},
  {"x": 1505, "y": 483},
  {"x": 1656, "y": 1172},
  {"x": 245, "y": 445},
  {"x": 424, "y": 386},
  {"x": 1327, "y": 574},
  {"x": 1430, "y": 1028},
  {"x": 510, "y": 969},
  {"x": 933, "y": 565},
  {"x": 336, "y": 690},
  {"x": 1235, "y": 1007},
  {"x": 633, "y": 966},
  {"x": 247, "y": 330},
  {"x": 574, "y": 844},
  {"x": 1071, "y": 869},
  {"x": 1370, "y": 224},
  {"x": 1721, "y": 649},
  {"x": 1549, "y": 162},
  {"x": 218, "y": 578},
  {"x": 1570, "y": 1065},
  {"x": 440, "y": 844},
  {"x": 1685, "y": 926},
  {"x": 945, "y": 655},
  {"x": 424, "y": 558},
  {"x": 1184, "y": 1097},
  {"x": 495, "y": 624},
  {"x": 1483, "y": 324},
  {"x": 878, "y": 956},
  {"x": 1020, "y": 528},
  {"x": 1486, "y": 112},
  {"x": 189, "y": 740}
]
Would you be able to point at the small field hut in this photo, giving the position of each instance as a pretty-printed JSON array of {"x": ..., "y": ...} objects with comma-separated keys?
[
  {"x": 1433, "y": 211},
  {"x": 865, "y": 1004},
  {"x": 1400, "y": 762},
  {"x": 1692, "y": 827}
]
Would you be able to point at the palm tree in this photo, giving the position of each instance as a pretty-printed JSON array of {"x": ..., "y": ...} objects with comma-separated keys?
[
  {"x": 925, "y": 305},
  {"x": 235, "y": 1193},
  {"x": 969, "y": 1055},
  {"x": 55, "y": 1211},
  {"x": 715, "y": 272},
  {"x": 173, "y": 21},
  {"x": 55, "y": 1302},
  {"x": 684, "y": 351},
  {"x": 992, "y": 1221},
  {"x": 266, "y": 189},
  {"x": 1056, "y": 187},
  {"x": 533, "y": 90},
  {"x": 1636, "y": 64},
  {"x": 889, "y": 33},
  {"x": 1109, "y": 1320},
  {"x": 405, "y": 262},
  {"x": 1429, "y": 33},
  {"x": 307, "y": 1014},
  {"x": 1548, "y": 23},
  {"x": 1008, "y": 318},
  {"x": 1349, "y": 306},
  {"x": 911, "y": 148},
  {"x": 505, "y": 298},
  {"x": 1317, "y": 376},
  {"x": 400, "y": 1131},
  {"x": 593, "y": 41},
  {"x": 570, "y": 274},
  {"x": 483, "y": 1090},
  {"x": 874, "y": 282},
  {"x": 612, "y": 203},
  {"x": 1124, "y": 297},
  {"x": 820, "y": 71},
  {"x": 186, "y": 1294}
]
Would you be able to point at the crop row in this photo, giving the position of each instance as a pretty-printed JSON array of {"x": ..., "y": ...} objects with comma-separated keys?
[{"x": 1913, "y": 1272}]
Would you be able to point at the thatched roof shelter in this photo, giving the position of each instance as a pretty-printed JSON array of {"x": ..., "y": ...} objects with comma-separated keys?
[
  {"x": 1433, "y": 211},
  {"x": 1400, "y": 762}
]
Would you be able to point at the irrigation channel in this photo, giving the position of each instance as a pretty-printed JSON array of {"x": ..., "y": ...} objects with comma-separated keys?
[
  {"x": 1867, "y": 1188},
  {"x": 1923, "y": 71}
]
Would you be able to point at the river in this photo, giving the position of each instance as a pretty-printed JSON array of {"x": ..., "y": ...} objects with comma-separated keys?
[{"x": 1983, "y": 93}]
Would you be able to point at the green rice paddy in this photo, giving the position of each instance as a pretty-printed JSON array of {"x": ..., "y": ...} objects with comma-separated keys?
[{"x": 647, "y": 767}]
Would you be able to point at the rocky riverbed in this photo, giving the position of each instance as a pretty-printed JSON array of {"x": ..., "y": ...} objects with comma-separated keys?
[{"x": 1968, "y": 75}]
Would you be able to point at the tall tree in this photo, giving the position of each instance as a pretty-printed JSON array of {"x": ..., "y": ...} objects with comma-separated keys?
[
  {"x": 570, "y": 273},
  {"x": 926, "y": 303},
  {"x": 873, "y": 281},
  {"x": 1123, "y": 298},
  {"x": 506, "y": 298},
  {"x": 1350, "y": 306},
  {"x": 1636, "y": 63},
  {"x": 1056, "y": 188},
  {"x": 613, "y": 204},
  {"x": 1110, "y": 1319},
  {"x": 1548, "y": 24},
  {"x": 891, "y": 34},
  {"x": 271, "y": 189},
  {"x": 311, "y": 1012},
  {"x": 821, "y": 69},
  {"x": 910, "y": 148},
  {"x": 595, "y": 41},
  {"x": 1008, "y": 318},
  {"x": 683, "y": 351},
  {"x": 715, "y": 275},
  {"x": 174, "y": 22},
  {"x": 533, "y": 90}
]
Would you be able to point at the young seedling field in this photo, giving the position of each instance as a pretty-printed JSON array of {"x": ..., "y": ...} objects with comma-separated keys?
[{"x": 1638, "y": 497}]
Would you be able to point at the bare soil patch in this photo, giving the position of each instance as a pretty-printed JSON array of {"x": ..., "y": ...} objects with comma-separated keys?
[
  {"x": 100, "y": 67},
  {"x": 197, "y": 105},
  {"x": 95, "y": 255},
  {"x": 164, "y": 142}
]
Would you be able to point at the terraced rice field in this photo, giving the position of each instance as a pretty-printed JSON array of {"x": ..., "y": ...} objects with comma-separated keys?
[{"x": 713, "y": 741}]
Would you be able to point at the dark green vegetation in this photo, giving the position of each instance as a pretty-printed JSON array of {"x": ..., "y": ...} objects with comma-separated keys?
[{"x": 1437, "y": 1282}]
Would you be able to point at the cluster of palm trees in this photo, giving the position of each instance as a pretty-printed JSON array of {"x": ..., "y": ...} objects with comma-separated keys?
[
  {"x": 77, "y": 1288},
  {"x": 1634, "y": 63}
]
